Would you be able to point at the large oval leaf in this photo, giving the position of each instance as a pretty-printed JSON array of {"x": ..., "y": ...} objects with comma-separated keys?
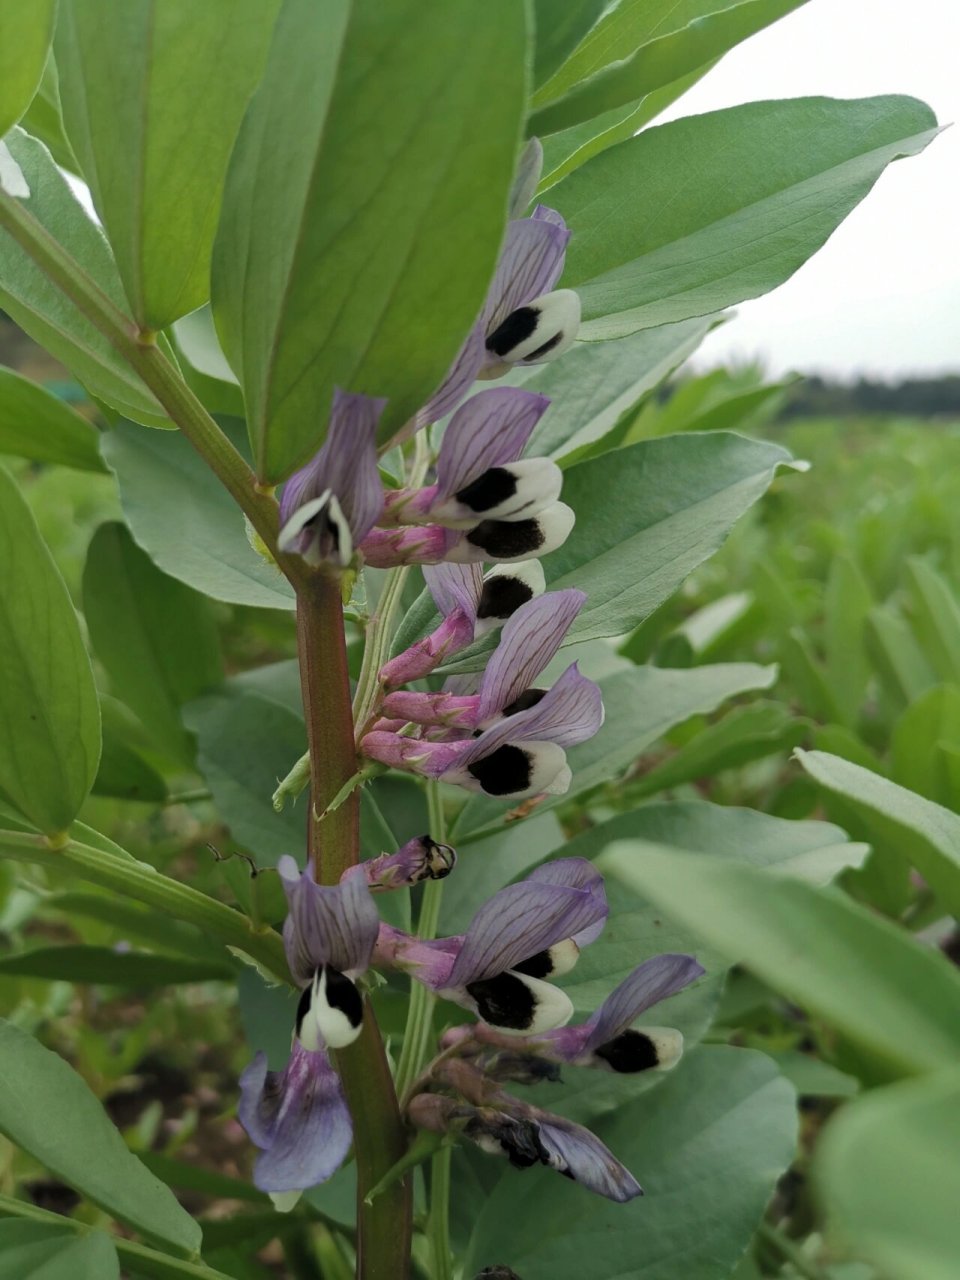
[
  {"x": 691, "y": 216},
  {"x": 45, "y": 1251},
  {"x": 156, "y": 638},
  {"x": 908, "y": 1227},
  {"x": 34, "y": 424},
  {"x": 859, "y": 972},
  {"x": 48, "y": 1110},
  {"x": 49, "y": 716},
  {"x": 707, "y": 1146},
  {"x": 153, "y": 92},
  {"x": 364, "y": 208},
  {"x": 185, "y": 520},
  {"x": 25, "y": 33}
]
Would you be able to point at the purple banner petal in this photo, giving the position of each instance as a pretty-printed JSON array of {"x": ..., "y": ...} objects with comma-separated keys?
[
  {"x": 531, "y": 263},
  {"x": 578, "y": 1152},
  {"x": 455, "y": 586},
  {"x": 327, "y": 924},
  {"x": 577, "y": 873},
  {"x": 489, "y": 430},
  {"x": 529, "y": 641},
  {"x": 653, "y": 981}
]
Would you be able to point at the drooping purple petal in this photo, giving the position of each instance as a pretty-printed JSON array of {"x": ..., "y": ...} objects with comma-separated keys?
[
  {"x": 346, "y": 466},
  {"x": 528, "y": 643},
  {"x": 655, "y": 980},
  {"x": 458, "y": 381},
  {"x": 531, "y": 263},
  {"x": 327, "y": 924},
  {"x": 298, "y": 1118},
  {"x": 577, "y": 873},
  {"x": 492, "y": 428},
  {"x": 576, "y": 1151},
  {"x": 455, "y": 586},
  {"x": 519, "y": 922}
]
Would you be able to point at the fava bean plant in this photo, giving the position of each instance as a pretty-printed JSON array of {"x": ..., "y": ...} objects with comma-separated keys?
[{"x": 371, "y": 294}]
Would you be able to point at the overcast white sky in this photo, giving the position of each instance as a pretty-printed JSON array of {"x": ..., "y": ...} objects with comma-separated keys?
[{"x": 883, "y": 296}]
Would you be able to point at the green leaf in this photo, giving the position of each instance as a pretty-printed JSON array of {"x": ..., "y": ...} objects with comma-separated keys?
[
  {"x": 560, "y": 25},
  {"x": 25, "y": 34},
  {"x": 744, "y": 734},
  {"x": 570, "y": 148},
  {"x": 707, "y": 1146},
  {"x": 49, "y": 717},
  {"x": 937, "y": 618},
  {"x": 371, "y": 174},
  {"x": 34, "y": 424},
  {"x": 114, "y": 968},
  {"x": 48, "y": 1110},
  {"x": 245, "y": 745},
  {"x": 908, "y": 1228},
  {"x": 128, "y": 921},
  {"x": 642, "y": 703},
  {"x": 924, "y": 744},
  {"x": 773, "y": 181},
  {"x": 592, "y": 385},
  {"x": 815, "y": 852},
  {"x": 676, "y": 501},
  {"x": 865, "y": 976},
  {"x": 186, "y": 521},
  {"x": 155, "y": 637},
  {"x": 847, "y": 602},
  {"x": 123, "y": 771},
  {"x": 36, "y": 1251},
  {"x": 44, "y": 312},
  {"x": 44, "y": 119},
  {"x": 153, "y": 94},
  {"x": 918, "y": 829},
  {"x": 900, "y": 661},
  {"x": 637, "y": 48}
]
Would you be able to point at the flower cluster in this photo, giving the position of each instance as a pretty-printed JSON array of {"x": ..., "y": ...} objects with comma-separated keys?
[{"x": 503, "y": 970}]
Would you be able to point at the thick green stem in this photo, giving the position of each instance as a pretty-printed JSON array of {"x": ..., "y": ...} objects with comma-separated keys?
[
  {"x": 384, "y": 1227},
  {"x": 439, "y": 1223},
  {"x": 142, "y": 353}
]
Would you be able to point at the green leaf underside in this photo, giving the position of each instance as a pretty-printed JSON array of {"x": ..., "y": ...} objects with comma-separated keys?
[
  {"x": 614, "y": 67},
  {"x": 46, "y": 314},
  {"x": 864, "y": 976},
  {"x": 156, "y": 638},
  {"x": 34, "y": 424},
  {"x": 185, "y": 520},
  {"x": 25, "y": 33},
  {"x": 47, "y": 1109},
  {"x": 368, "y": 176},
  {"x": 641, "y": 703},
  {"x": 860, "y": 1165},
  {"x": 49, "y": 717},
  {"x": 692, "y": 216},
  {"x": 724, "y": 1113},
  {"x": 152, "y": 96},
  {"x": 924, "y": 832}
]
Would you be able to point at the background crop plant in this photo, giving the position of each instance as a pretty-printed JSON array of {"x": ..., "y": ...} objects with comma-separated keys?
[{"x": 343, "y": 655}]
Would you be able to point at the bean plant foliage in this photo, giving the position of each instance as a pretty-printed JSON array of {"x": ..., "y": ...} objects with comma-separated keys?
[{"x": 340, "y": 761}]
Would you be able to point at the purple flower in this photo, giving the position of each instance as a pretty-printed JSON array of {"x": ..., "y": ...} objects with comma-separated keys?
[
  {"x": 499, "y": 541},
  {"x": 332, "y": 503},
  {"x": 524, "y": 319},
  {"x": 520, "y": 755},
  {"x": 523, "y": 1134},
  {"x": 298, "y": 1116},
  {"x": 531, "y": 638},
  {"x": 299, "y": 1119},
  {"x": 472, "y": 604},
  {"x": 525, "y": 934},
  {"x": 480, "y": 472},
  {"x": 608, "y": 1038},
  {"x": 419, "y": 859}
]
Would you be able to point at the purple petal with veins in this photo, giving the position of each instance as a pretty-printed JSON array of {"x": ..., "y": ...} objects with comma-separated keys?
[
  {"x": 576, "y": 1151},
  {"x": 491, "y": 429},
  {"x": 297, "y": 1117},
  {"x": 455, "y": 586},
  {"x": 531, "y": 263},
  {"x": 529, "y": 641},
  {"x": 576, "y": 873},
  {"x": 653, "y": 981},
  {"x": 519, "y": 922},
  {"x": 327, "y": 924}
]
